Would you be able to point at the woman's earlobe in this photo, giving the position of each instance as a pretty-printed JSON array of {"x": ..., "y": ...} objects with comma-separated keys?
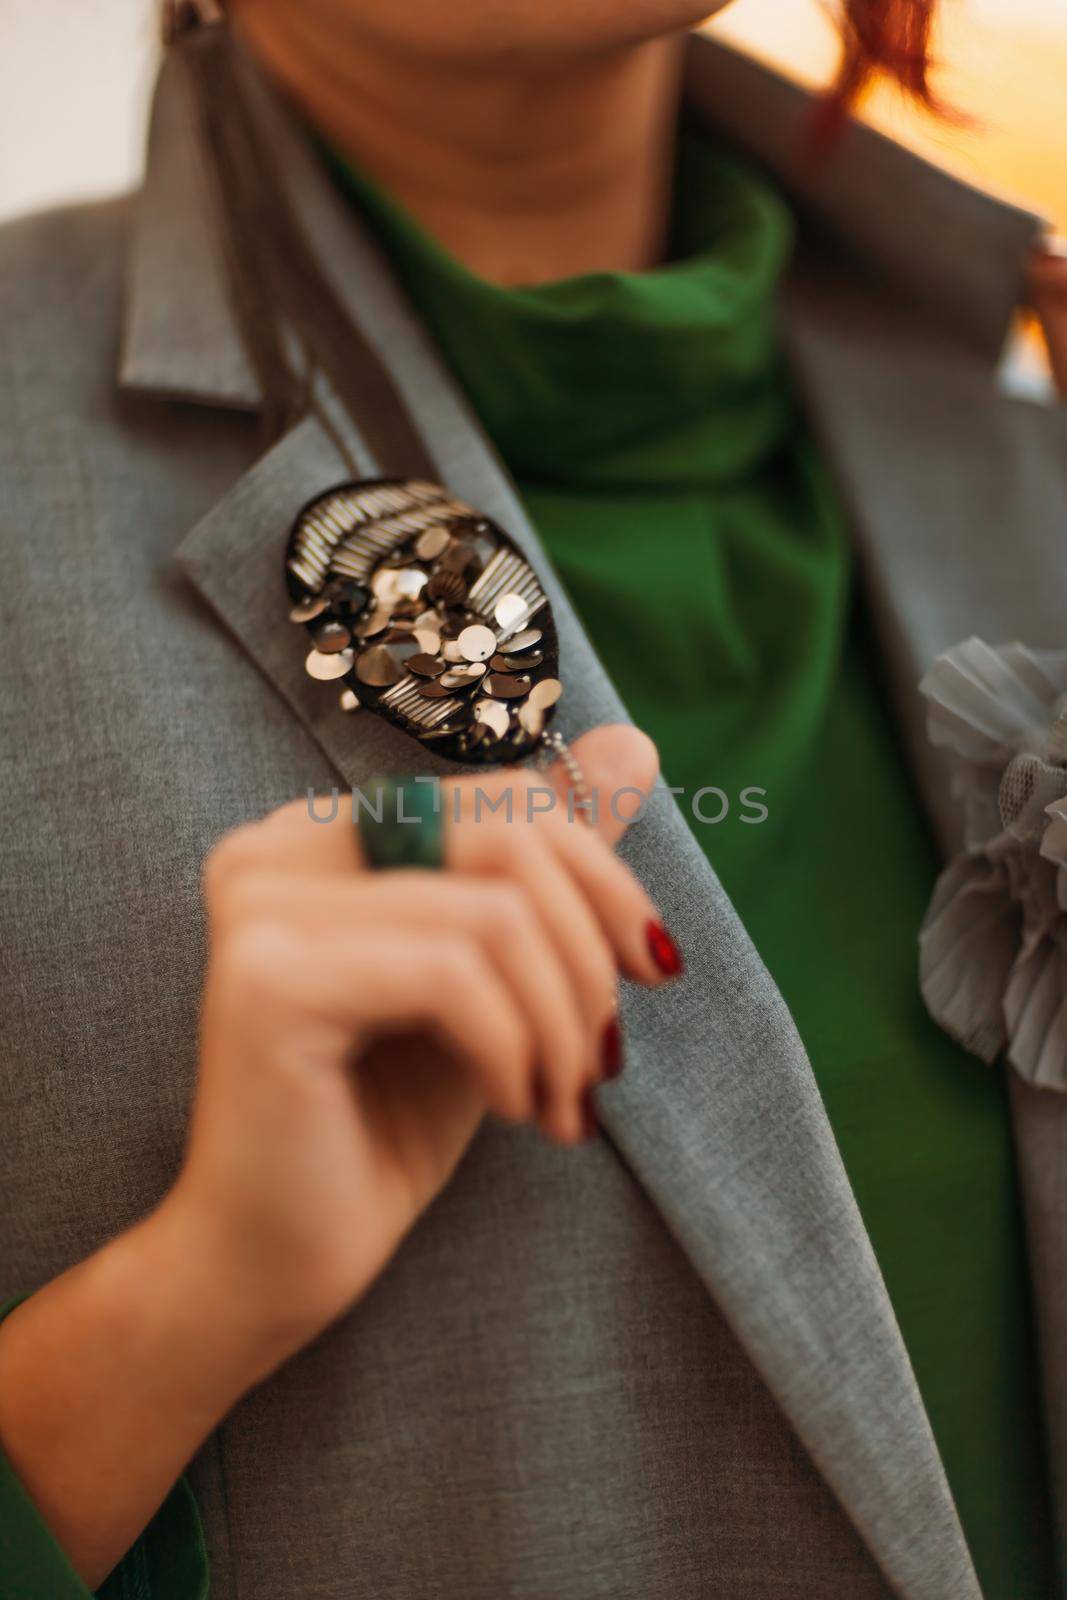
[{"x": 181, "y": 16}]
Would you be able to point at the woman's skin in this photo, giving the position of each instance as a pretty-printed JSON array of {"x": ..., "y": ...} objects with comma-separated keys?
[
  {"x": 335, "y": 1097},
  {"x": 535, "y": 139}
]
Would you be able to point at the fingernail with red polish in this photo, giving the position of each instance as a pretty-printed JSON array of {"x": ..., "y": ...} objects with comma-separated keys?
[
  {"x": 665, "y": 953},
  {"x": 611, "y": 1049},
  {"x": 590, "y": 1120}
]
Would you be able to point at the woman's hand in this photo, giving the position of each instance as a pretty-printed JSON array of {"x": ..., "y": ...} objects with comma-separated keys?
[{"x": 357, "y": 1025}]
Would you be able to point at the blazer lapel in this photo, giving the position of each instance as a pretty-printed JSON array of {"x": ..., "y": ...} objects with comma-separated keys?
[{"x": 719, "y": 1116}]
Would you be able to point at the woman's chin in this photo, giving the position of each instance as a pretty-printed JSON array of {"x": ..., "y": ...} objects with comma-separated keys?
[{"x": 487, "y": 32}]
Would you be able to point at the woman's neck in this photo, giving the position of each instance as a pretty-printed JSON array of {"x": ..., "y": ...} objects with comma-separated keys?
[{"x": 527, "y": 176}]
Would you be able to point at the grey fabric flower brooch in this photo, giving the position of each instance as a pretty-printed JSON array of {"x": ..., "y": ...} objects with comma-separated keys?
[{"x": 993, "y": 945}]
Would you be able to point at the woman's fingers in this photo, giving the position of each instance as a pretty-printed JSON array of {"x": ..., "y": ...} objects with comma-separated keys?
[
  {"x": 641, "y": 946},
  {"x": 495, "y": 914},
  {"x": 586, "y": 957},
  {"x": 556, "y": 916},
  {"x": 319, "y": 834},
  {"x": 519, "y": 943},
  {"x": 372, "y": 982},
  {"x": 620, "y": 765}
]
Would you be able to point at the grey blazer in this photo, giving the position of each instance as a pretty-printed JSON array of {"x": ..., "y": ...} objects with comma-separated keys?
[{"x": 665, "y": 1365}]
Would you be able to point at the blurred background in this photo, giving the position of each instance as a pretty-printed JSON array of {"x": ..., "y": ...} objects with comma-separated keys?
[
  {"x": 75, "y": 77},
  {"x": 1004, "y": 62}
]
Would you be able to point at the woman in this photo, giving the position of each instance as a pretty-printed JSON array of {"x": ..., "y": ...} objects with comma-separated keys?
[{"x": 667, "y": 1363}]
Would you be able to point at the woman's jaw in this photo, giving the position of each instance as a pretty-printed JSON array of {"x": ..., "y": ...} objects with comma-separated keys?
[
  {"x": 533, "y": 138},
  {"x": 482, "y": 33}
]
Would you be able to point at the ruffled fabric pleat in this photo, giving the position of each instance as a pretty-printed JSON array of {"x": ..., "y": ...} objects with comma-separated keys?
[{"x": 993, "y": 944}]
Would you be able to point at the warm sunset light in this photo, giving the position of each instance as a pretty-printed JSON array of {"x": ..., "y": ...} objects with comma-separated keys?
[{"x": 1004, "y": 64}]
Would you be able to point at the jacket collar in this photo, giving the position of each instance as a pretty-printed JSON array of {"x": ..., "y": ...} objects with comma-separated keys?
[
  {"x": 908, "y": 227},
  {"x": 952, "y": 250},
  {"x": 719, "y": 1117},
  {"x": 180, "y": 338}
]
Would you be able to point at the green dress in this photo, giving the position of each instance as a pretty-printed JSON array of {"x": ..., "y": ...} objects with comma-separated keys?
[{"x": 650, "y": 424}]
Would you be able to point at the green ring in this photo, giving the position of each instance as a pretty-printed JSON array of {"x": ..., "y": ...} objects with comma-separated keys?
[{"x": 401, "y": 823}]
